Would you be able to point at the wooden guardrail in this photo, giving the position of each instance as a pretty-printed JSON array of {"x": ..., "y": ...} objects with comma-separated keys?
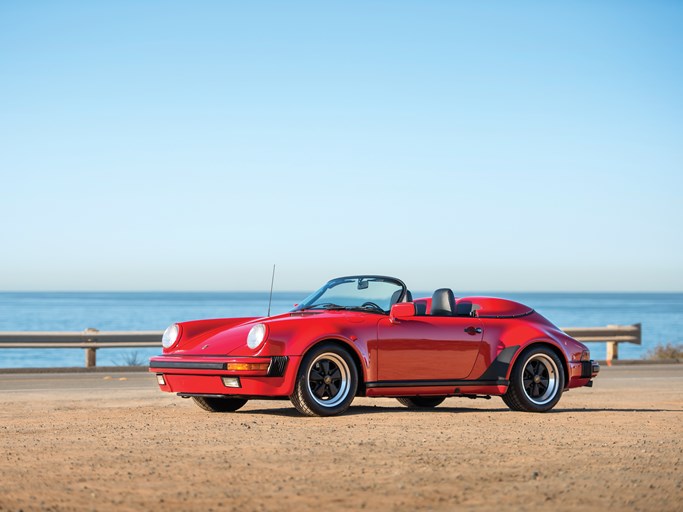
[
  {"x": 612, "y": 335},
  {"x": 91, "y": 339}
]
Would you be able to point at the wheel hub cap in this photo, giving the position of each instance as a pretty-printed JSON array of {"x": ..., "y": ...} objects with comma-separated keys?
[
  {"x": 539, "y": 379},
  {"x": 329, "y": 379}
]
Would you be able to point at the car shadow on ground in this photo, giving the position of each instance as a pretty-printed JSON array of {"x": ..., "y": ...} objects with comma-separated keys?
[
  {"x": 611, "y": 409},
  {"x": 377, "y": 409},
  {"x": 372, "y": 409}
]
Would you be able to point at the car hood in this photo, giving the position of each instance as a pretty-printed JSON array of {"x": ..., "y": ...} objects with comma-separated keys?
[
  {"x": 201, "y": 337},
  {"x": 223, "y": 337}
]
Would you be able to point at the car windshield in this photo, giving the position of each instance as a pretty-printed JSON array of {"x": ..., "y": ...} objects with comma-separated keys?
[{"x": 374, "y": 294}]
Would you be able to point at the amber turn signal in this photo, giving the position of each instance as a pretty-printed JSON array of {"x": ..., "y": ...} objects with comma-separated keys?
[{"x": 247, "y": 367}]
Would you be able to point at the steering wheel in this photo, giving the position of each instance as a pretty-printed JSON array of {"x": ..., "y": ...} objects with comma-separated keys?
[{"x": 371, "y": 305}]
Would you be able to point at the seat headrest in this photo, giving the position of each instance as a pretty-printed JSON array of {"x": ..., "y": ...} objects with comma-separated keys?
[
  {"x": 443, "y": 302},
  {"x": 397, "y": 295}
]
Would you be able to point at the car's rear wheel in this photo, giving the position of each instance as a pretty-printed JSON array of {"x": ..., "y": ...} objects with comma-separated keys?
[
  {"x": 421, "y": 402},
  {"x": 215, "y": 404},
  {"x": 536, "y": 382},
  {"x": 326, "y": 383}
]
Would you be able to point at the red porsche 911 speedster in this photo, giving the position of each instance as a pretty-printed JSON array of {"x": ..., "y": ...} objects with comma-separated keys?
[{"x": 367, "y": 336}]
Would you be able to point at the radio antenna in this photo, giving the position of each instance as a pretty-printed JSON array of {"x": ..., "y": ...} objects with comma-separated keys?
[{"x": 272, "y": 281}]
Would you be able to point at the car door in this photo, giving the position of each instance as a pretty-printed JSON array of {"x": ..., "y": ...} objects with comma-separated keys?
[{"x": 427, "y": 348}]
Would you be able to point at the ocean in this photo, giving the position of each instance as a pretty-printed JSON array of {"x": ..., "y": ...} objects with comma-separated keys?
[{"x": 661, "y": 315}]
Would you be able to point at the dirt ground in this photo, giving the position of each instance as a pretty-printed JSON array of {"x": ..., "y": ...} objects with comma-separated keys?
[{"x": 114, "y": 442}]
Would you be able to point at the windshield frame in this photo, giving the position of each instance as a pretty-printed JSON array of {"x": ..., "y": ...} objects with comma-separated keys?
[{"x": 310, "y": 302}]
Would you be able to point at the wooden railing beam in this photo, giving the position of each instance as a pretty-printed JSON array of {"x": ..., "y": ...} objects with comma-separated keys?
[{"x": 91, "y": 339}]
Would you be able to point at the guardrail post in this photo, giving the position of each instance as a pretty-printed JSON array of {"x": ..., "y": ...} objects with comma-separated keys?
[
  {"x": 90, "y": 357},
  {"x": 90, "y": 353},
  {"x": 612, "y": 349},
  {"x": 612, "y": 352}
]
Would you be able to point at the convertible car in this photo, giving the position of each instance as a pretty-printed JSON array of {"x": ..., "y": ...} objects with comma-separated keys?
[{"x": 367, "y": 336}]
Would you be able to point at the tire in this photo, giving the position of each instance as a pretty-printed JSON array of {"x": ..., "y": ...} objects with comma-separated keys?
[
  {"x": 536, "y": 382},
  {"x": 215, "y": 404},
  {"x": 326, "y": 382},
  {"x": 421, "y": 402}
]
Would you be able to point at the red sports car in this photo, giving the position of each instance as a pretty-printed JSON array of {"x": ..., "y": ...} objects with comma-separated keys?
[{"x": 367, "y": 336}]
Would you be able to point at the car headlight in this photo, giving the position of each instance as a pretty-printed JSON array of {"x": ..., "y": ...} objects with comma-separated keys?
[
  {"x": 170, "y": 336},
  {"x": 256, "y": 336}
]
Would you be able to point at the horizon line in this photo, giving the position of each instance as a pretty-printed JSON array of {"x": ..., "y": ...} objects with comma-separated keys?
[{"x": 308, "y": 291}]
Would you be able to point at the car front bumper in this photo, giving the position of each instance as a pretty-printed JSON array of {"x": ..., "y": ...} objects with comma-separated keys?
[{"x": 226, "y": 376}]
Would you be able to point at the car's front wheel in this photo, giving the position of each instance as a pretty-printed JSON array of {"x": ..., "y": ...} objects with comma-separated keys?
[
  {"x": 326, "y": 383},
  {"x": 536, "y": 382},
  {"x": 215, "y": 404},
  {"x": 421, "y": 402}
]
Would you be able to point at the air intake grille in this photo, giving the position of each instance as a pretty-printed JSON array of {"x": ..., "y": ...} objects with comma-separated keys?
[{"x": 277, "y": 366}]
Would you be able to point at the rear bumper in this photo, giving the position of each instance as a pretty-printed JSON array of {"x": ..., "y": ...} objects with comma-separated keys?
[
  {"x": 590, "y": 368},
  {"x": 581, "y": 373},
  {"x": 205, "y": 375},
  {"x": 595, "y": 368}
]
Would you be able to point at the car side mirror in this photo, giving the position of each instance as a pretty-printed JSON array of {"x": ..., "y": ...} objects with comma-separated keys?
[{"x": 401, "y": 310}]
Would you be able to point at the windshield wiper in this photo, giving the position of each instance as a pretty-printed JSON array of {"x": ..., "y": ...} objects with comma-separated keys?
[
  {"x": 366, "y": 309},
  {"x": 330, "y": 306},
  {"x": 324, "y": 305}
]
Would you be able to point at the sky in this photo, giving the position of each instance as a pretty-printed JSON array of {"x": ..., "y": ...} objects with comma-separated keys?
[{"x": 519, "y": 146}]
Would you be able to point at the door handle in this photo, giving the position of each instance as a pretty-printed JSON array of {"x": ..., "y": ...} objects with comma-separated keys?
[{"x": 473, "y": 330}]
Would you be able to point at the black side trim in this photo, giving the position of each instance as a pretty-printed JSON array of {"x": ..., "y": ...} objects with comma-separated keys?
[
  {"x": 207, "y": 395},
  {"x": 507, "y": 316},
  {"x": 433, "y": 383},
  {"x": 187, "y": 365},
  {"x": 586, "y": 369},
  {"x": 499, "y": 366},
  {"x": 277, "y": 366},
  {"x": 247, "y": 397}
]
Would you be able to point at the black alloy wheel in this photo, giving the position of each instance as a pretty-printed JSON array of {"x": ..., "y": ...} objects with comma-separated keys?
[
  {"x": 327, "y": 381},
  {"x": 537, "y": 381}
]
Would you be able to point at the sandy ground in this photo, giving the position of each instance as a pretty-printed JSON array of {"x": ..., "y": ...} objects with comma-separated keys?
[{"x": 114, "y": 442}]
